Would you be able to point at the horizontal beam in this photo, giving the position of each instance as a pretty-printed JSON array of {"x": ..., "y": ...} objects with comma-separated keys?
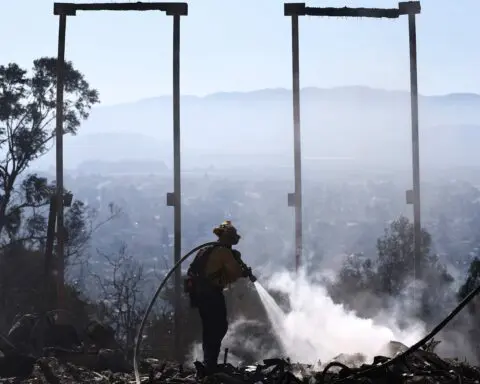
[
  {"x": 70, "y": 9},
  {"x": 404, "y": 8}
]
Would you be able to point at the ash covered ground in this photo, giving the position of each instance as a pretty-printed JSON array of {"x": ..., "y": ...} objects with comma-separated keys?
[
  {"x": 421, "y": 367},
  {"x": 101, "y": 362}
]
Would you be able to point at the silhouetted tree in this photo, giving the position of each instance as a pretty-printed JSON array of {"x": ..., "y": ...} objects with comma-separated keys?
[
  {"x": 122, "y": 295},
  {"x": 160, "y": 330},
  {"x": 22, "y": 287},
  {"x": 396, "y": 256},
  {"x": 356, "y": 285},
  {"x": 472, "y": 281},
  {"x": 470, "y": 319},
  {"x": 27, "y": 114},
  {"x": 358, "y": 273},
  {"x": 392, "y": 271}
]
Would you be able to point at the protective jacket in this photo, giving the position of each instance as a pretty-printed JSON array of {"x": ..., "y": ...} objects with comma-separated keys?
[
  {"x": 222, "y": 268},
  {"x": 213, "y": 268}
]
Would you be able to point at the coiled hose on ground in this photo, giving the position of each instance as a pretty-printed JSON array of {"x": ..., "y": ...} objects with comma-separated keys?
[
  {"x": 152, "y": 303},
  {"x": 413, "y": 348}
]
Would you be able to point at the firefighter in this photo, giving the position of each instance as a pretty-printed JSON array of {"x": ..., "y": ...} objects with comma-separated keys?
[{"x": 211, "y": 271}]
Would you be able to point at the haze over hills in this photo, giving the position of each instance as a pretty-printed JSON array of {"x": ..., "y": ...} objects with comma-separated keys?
[{"x": 353, "y": 125}]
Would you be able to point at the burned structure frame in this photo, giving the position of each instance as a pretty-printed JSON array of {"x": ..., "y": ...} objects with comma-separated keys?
[
  {"x": 173, "y": 199},
  {"x": 410, "y": 8}
]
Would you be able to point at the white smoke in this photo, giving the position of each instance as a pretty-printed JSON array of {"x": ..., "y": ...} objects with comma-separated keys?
[{"x": 316, "y": 328}]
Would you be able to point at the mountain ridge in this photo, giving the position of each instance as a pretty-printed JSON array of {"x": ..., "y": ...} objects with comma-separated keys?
[
  {"x": 372, "y": 126},
  {"x": 288, "y": 91}
]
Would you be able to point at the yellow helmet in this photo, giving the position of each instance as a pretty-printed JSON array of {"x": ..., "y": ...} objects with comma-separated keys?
[{"x": 225, "y": 227}]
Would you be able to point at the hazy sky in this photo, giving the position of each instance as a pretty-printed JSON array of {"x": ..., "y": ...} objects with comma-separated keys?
[{"x": 233, "y": 45}]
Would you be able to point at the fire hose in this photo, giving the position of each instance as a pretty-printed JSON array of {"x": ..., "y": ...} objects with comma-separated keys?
[
  {"x": 159, "y": 289},
  {"x": 369, "y": 370},
  {"x": 152, "y": 303}
]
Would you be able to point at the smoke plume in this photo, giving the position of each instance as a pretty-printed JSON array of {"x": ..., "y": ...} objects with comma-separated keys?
[{"x": 315, "y": 328}]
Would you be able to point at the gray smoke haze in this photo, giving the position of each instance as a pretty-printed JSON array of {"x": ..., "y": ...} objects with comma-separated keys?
[{"x": 348, "y": 126}]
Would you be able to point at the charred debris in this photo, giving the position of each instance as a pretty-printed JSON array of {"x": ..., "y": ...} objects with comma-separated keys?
[{"x": 38, "y": 350}]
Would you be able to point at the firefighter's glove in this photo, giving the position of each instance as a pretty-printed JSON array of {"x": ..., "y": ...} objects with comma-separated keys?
[{"x": 248, "y": 273}]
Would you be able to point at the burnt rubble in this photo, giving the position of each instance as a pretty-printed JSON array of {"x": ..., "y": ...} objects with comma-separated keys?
[
  {"x": 420, "y": 367},
  {"x": 38, "y": 350}
]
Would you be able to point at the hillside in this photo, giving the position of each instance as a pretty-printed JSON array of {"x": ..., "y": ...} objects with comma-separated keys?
[{"x": 352, "y": 123}]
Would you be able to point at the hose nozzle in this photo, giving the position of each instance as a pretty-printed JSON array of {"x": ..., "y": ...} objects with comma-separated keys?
[
  {"x": 251, "y": 276},
  {"x": 247, "y": 271}
]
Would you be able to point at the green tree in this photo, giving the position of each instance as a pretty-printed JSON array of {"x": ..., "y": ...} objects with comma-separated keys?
[
  {"x": 396, "y": 267},
  {"x": 27, "y": 131},
  {"x": 27, "y": 115},
  {"x": 396, "y": 255},
  {"x": 358, "y": 273},
  {"x": 392, "y": 271},
  {"x": 356, "y": 285},
  {"x": 472, "y": 281}
]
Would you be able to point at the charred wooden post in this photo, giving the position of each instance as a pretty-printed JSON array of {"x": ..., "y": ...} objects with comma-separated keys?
[
  {"x": 295, "y": 199},
  {"x": 49, "y": 265},
  {"x": 52, "y": 265},
  {"x": 174, "y": 199},
  {"x": 410, "y": 8},
  {"x": 59, "y": 160},
  {"x": 177, "y": 191},
  {"x": 413, "y": 8}
]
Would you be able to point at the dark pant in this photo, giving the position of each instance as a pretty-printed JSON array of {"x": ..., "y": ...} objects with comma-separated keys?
[{"x": 213, "y": 312}]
